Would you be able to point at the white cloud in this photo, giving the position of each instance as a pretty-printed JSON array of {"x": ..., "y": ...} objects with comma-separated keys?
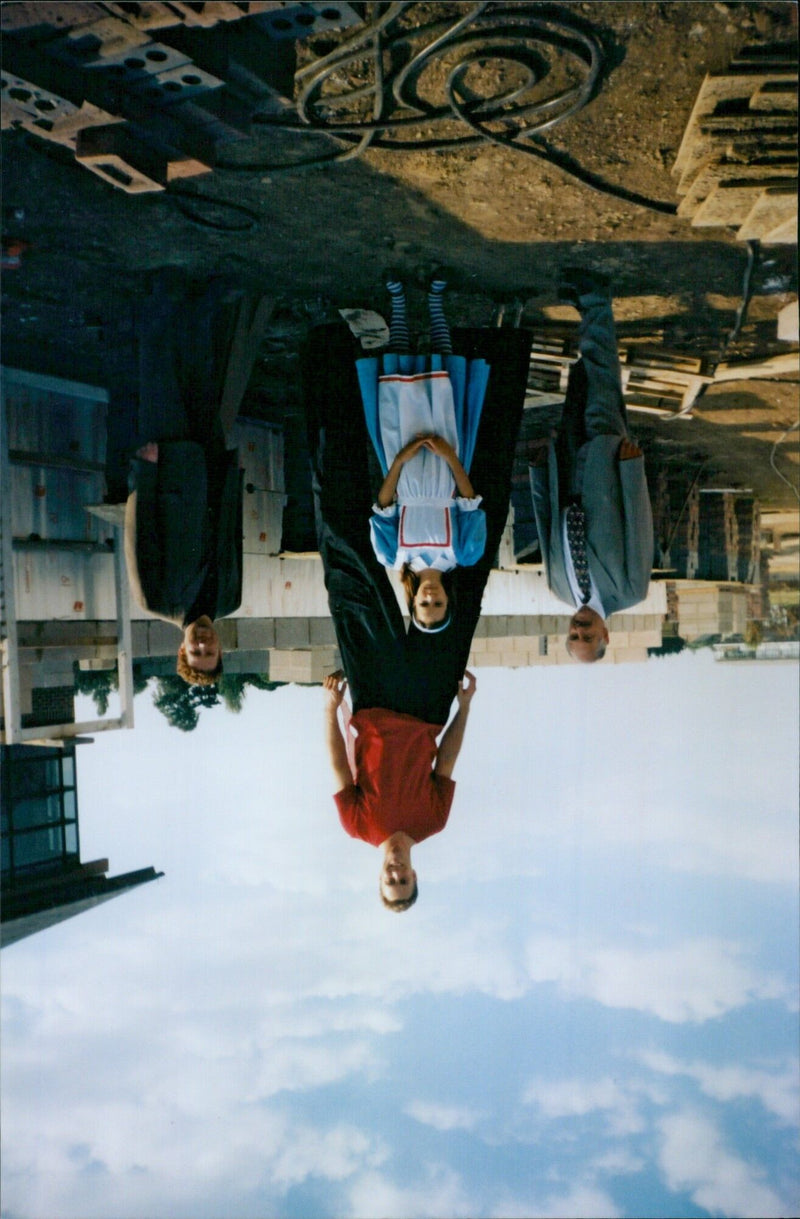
[
  {"x": 443, "y": 1117},
  {"x": 693, "y": 1158},
  {"x": 617, "y": 1162},
  {"x": 569, "y": 1098},
  {"x": 777, "y": 1090},
  {"x": 695, "y": 980},
  {"x": 579, "y": 1202},
  {"x": 436, "y": 1190},
  {"x": 333, "y": 1154},
  {"x": 572, "y": 1097}
]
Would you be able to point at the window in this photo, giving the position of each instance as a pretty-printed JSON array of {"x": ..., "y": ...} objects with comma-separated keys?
[{"x": 36, "y": 810}]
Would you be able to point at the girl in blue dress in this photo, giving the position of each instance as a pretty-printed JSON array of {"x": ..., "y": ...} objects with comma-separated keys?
[{"x": 422, "y": 414}]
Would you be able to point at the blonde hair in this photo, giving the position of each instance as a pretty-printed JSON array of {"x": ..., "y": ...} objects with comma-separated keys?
[{"x": 197, "y": 677}]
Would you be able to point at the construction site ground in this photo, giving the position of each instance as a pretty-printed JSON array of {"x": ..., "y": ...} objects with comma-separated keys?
[{"x": 503, "y": 221}]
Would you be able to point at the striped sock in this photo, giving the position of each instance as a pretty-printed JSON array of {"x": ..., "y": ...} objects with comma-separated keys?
[
  {"x": 440, "y": 331},
  {"x": 399, "y": 336}
]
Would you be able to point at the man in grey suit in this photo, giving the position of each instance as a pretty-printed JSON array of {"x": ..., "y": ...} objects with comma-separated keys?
[{"x": 589, "y": 490}]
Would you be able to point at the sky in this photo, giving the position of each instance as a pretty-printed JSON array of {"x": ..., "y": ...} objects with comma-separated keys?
[{"x": 591, "y": 1011}]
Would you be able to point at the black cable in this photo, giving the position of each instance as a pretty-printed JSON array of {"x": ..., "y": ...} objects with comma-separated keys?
[
  {"x": 191, "y": 203},
  {"x": 753, "y": 254},
  {"x": 488, "y": 32}
]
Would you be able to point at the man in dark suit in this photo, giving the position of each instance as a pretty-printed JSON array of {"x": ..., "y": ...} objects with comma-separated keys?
[
  {"x": 590, "y": 498},
  {"x": 183, "y": 545},
  {"x": 183, "y": 519}
]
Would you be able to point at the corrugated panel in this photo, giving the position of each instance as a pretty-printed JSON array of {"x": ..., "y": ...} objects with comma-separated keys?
[
  {"x": 50, "y": 503},
  {"x": 260, "y": 448},
  {"x": 56, "y": 418},
  {"x": 262, "y": 518},
  {"x": 64, "y": 584}
]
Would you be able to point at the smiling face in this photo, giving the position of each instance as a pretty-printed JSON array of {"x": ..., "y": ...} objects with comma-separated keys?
[
  {"x": 201, "y": 645},
  {"x": 587, "y": 636},
  {"x": 430, "y": 599},
  {"x": 398, "y": 880}
]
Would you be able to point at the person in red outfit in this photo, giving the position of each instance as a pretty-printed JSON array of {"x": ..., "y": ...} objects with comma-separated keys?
[
  {"x": 397, "y": 787},
  {"x": 394, "y": 785}
]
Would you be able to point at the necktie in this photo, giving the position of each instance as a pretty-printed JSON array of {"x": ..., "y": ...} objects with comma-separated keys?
[{"x": 576, "y": 536}]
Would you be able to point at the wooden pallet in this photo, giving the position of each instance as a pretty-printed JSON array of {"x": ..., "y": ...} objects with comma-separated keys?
[
  {"x": 655, "y": 381},
  {"x": 737, "y": 164}
]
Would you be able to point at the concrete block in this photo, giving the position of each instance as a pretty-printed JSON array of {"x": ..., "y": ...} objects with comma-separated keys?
[
  {"x": 302, "y": 665},
  {"x": 255, "y": 632},
  {"x": 253, "y": 660},
  {"x": 479, "y": 645},
  {"x": 483, "y": 660},
  {"x": 163, "y": 639},
  {"x": 228, "y": 633},
  {"x": 497, "y": 644},
  {"x": 628, "y": 655},
  {"x": 552, "y": 624},
  {"x": 321, "y": 631},
  {"x": 481, "y": 630},
  {"x": 105, "y": 39},
  {"x": 292, "y": 633},
  {"x": 113, "y": 152},
  {"x": 151, "y": 15},
  {"x": 139, "y": 631},
  {"x": 292, "y": 665},
  {"x": 496, "y": 625},
  {"x": 644, "y": 639}
]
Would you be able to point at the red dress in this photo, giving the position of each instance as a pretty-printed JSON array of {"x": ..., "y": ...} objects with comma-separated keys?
[{"x": 395, "y": 787}]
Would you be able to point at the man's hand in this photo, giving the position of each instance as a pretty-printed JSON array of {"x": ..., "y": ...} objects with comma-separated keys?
[
  {"x": 148, "y": 452},
  {"x": 464, "y": 693},
  {"x": 539, "y": 451},
  {"x": 335, "y": 685},
  {"x": 628, "y": 450},
  {"x": 451, "y": 742}
]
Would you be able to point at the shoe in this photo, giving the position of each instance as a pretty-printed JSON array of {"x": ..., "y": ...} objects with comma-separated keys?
[
  {"x": 577, "y": 282},
  {"x": 439, "y": 275}
]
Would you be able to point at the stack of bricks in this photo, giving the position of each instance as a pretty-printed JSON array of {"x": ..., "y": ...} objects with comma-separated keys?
[
  {"x": 140, "y": 112},
  {"x": 520, "y": 641},
  {"x": 719, "y": 536},
  {"x": 737, "y": 163},
  {"x": 708, "y": 608}
]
